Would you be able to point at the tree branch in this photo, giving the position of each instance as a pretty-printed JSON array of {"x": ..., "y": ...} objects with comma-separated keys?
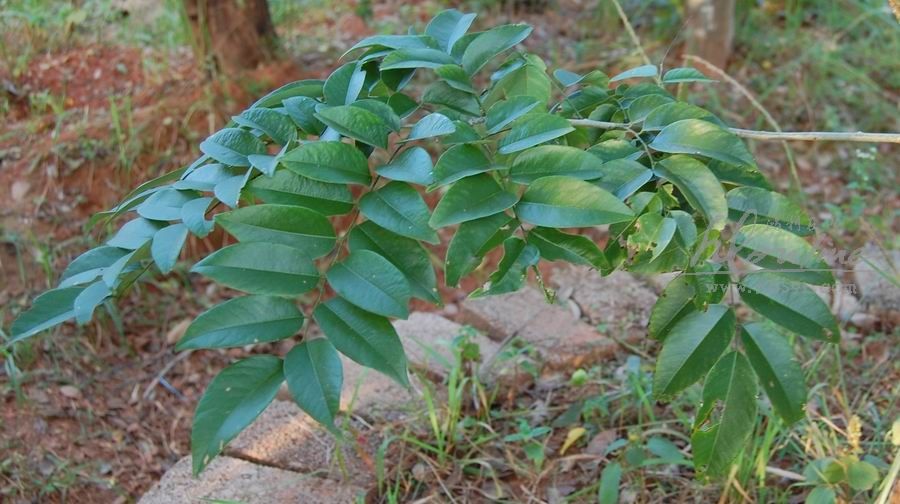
[{"x": 810, "y": 136}]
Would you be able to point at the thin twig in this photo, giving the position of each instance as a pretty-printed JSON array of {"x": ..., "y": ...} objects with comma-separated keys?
[
  {"x": 804, "y": 136},
  {"x": 795, "y": 177}
]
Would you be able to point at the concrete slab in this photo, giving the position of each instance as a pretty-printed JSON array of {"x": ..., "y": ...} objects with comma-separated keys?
[{"x": 230, "y": 479}]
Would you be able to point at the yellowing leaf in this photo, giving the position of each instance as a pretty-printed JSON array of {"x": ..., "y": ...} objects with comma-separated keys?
[{"x": 574, "y": 435}]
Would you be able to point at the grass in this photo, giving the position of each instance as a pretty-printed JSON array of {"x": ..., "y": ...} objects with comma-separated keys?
[{"x": 605, "y": 424}]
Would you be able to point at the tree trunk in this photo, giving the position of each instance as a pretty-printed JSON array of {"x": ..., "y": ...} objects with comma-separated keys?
[
  {"x": 710, "y": 25},
  {"x": 231, "y": 35}
]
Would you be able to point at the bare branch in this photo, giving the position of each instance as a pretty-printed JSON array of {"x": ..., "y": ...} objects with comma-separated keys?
[{"x": 803, "y": 136}]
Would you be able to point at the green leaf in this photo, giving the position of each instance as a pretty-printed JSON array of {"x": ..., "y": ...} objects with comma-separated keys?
[
  {"x": 88, "y": 300},
  {"x": 412, "y": 165},
  {"x": 732, "y": 385},
  {"x": 314, "y": 376},
  {"x": 699, "y": 137},
  {"x": 399, "y": 208},
  {"x": 294, "y": 226},
  {"x": 642, "y": 106},
  {"x": 288, "y": 188},
  {"x": 698, "y": 185},
  {"x": 739, "y": 174},
  {"x": 469, "y": 199},
  {"x": 193, "y": 215},
  {"x": 563, "y": 202},
  {"x": 402, "y": 104},
  {"x": 264, "y": 163},
  {"x": 781, "y": 377},
  {"x": 229, "y": 190},
  {"x": 303, "y": 111},
  {"x": 394, "y": 42},
  {"x": 691, "y": 348},
  {"x": 669, "y": 113},
  {"x": 777, "y": 250},
  {"x": 307, "y": 87},
  {"x": 567, "y": 78},
  {"x": 356, "y": 123},
  {"x": 512, "y": 271},
  {"x": 645, "y": 71},
  {"x": 862, "y": 476},
  {"x": 653, "y": 234},
  {"x": 246, "y": 320},
  {"x": 166, "y": 246},
  {"x": 275, "y": 125},
  {"x": 471, "y": 242},
  {"x": 334, "y": 162},
  {"x": 534, "y": 130},
  {"x": 165, "y": 205},
  {"x": 623, "y": 177},
  {"x": 135, "y": 233},
  {"x": 528, "y": 80},
  {"x": 455, "y": 77},
  {"x": 416, "y": 58},
  {"x": 366, "y": 338},
  {"x": 205, "y": 177},
  {"x": 460, "y": 161},
  {"x": 432, "y": 125},
  {"x": 261, "y": 268},
  {"x": 821, "y": 495},
  {"x": 766, "y": 207},
  {"x": 89, "y": 265},
  {"x": 49, "y": 309},
  {"x": 675, "y": 301},
  {"x": 491, "y": 43},
  {"x": 610, "y": 150},
  {"x": 233, "y": 399},
  {"x": 554, "y": 245},
  {"x": 344, "y": 84},
  {"x": 383, "y": 111},
  {"x": 448, "y": 27},
  {"x": 464, "y": 134},
  {"x": 231, "y": 146},
  {"x": 405, "y": 253},
  {"x": 547, "y": 160},
  {"x": 442, "y": 94},
  {"x": 610, "y": 478},
  {"x": 685, "y": 74},
  {"x": 505, "y": 112},
  {"x": 790, "y": 304},
  {"x": 371, "y": 282}
]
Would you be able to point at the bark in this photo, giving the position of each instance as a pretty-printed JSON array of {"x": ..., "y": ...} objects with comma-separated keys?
[
  {"x": 710, "y": 26},
  {"x": 231, "y": 35}
]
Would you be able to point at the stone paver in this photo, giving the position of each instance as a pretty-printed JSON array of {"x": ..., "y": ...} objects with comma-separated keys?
[
  {"x": 427, "y": 339},
  {"x": 878, "y": 294},
  {"x": 620, "y": 300},
  {"x": 230, "y": 479},
  {"x": 283, "y": 436},
  {"x": 562, "y": 340}
]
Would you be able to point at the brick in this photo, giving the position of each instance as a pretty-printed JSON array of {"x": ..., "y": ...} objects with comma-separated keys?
[{"x": 230, "y": 479}]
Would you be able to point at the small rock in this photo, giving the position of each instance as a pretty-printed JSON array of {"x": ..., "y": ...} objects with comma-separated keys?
[
  {"x": 19, "y": 190},
  {"x": 70, "y": 391}
]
